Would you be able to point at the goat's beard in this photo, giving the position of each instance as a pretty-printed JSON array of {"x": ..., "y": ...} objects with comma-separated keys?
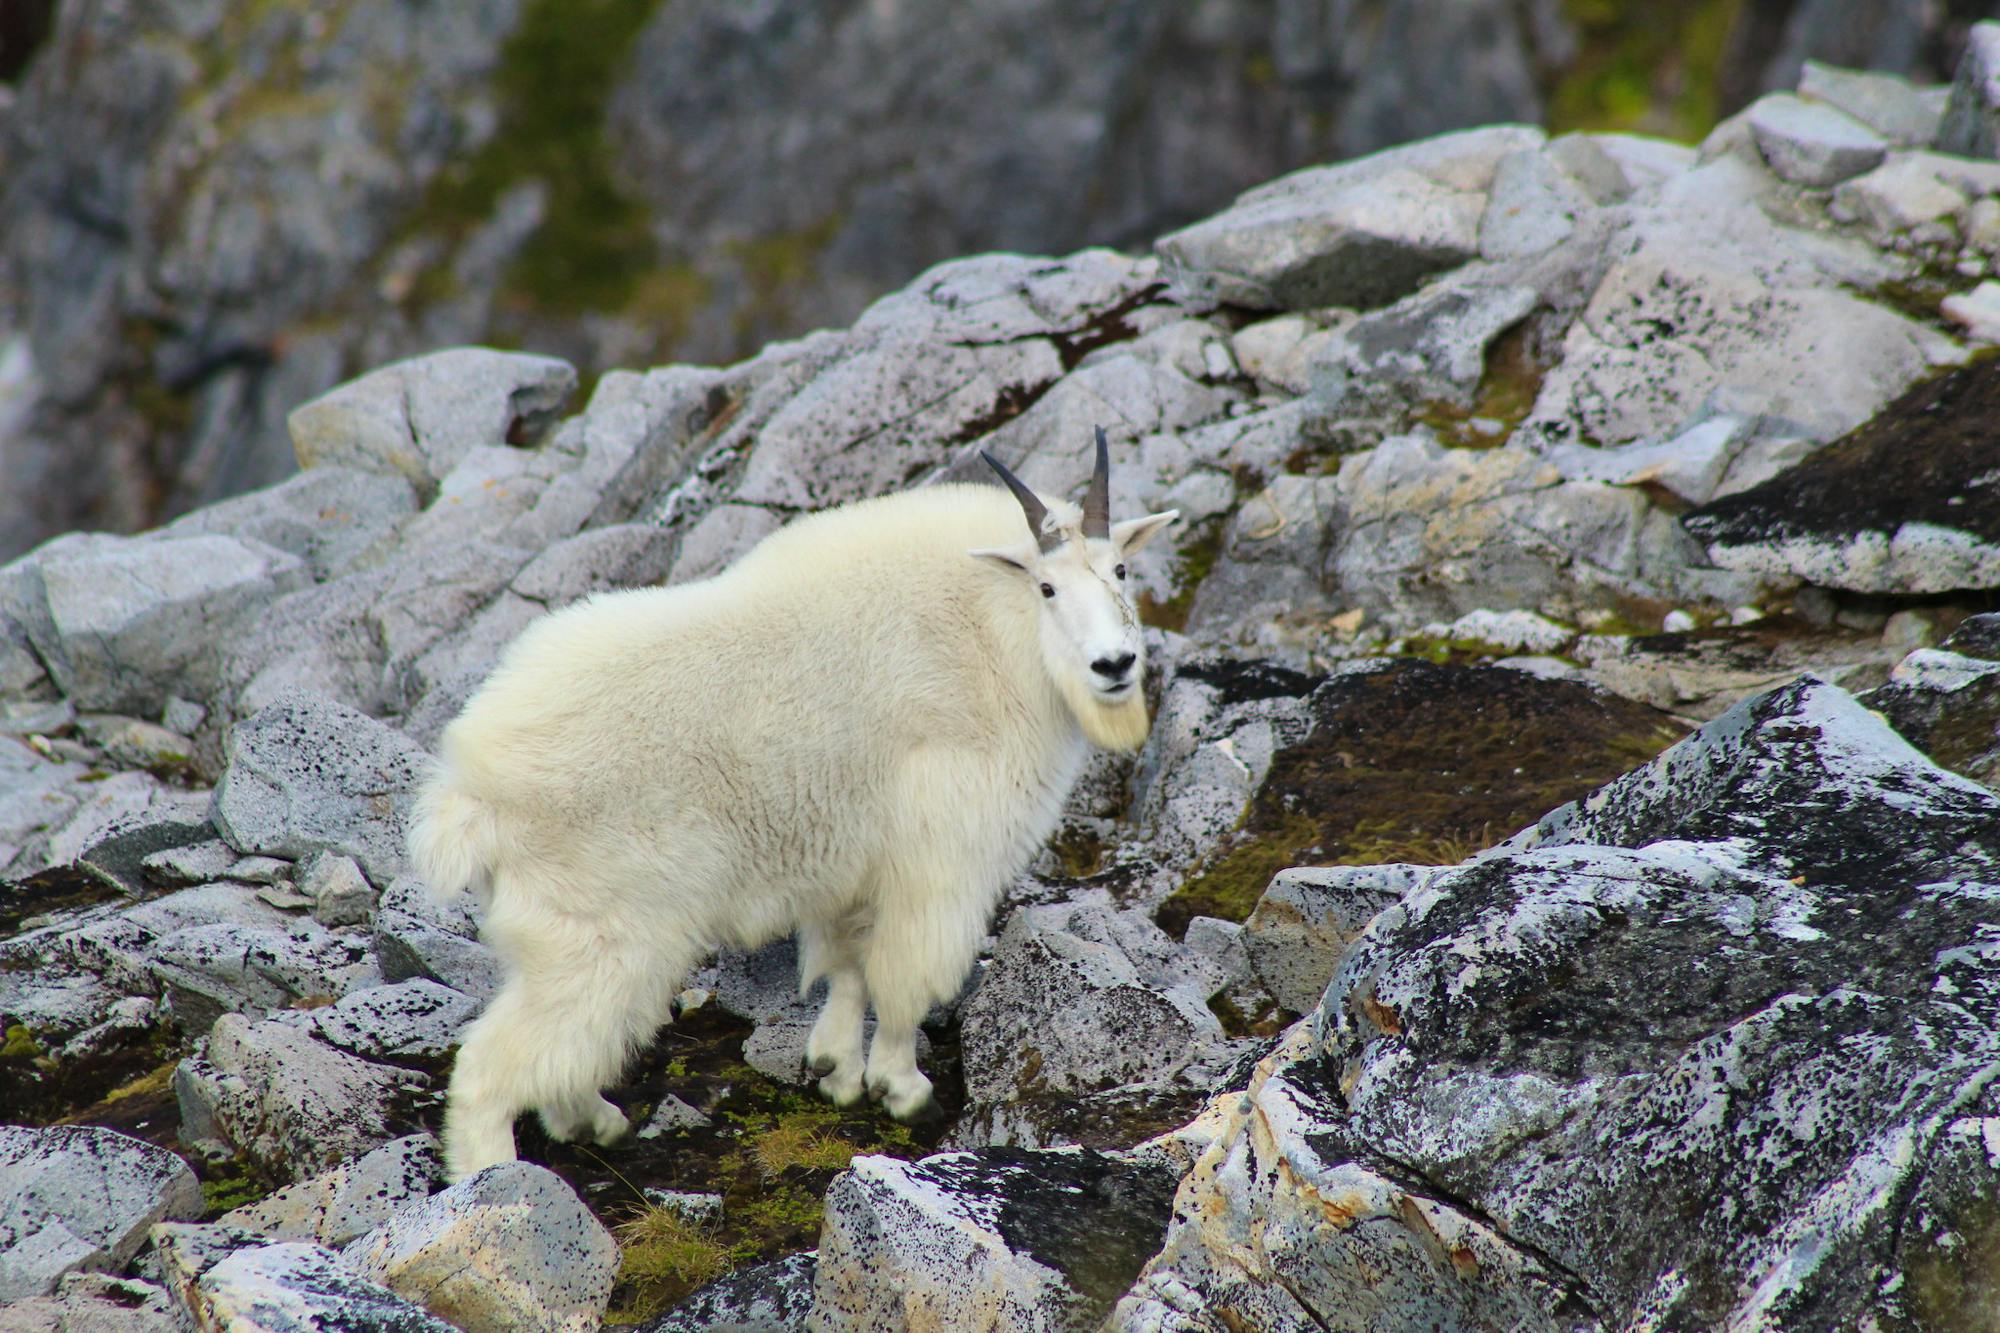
[{"x": 1121, "y": 726}]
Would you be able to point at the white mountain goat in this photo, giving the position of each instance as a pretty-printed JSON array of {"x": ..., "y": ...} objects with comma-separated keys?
[{"x": 862, "y": 731}]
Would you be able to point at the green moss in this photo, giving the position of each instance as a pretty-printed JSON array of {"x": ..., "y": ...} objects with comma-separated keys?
[
  {"x": 802, "y": 1139},
  {"x": 1506, "y": 394},
  {"x": 1197, "y": 560},
  {"x": 662, "y": 1257},
  {"x": 231, "y": 1185},
  {"x": 20, "y": 1044},
  {"x": 1652, "y": 69},
  {"x": 556, "y": 71}
]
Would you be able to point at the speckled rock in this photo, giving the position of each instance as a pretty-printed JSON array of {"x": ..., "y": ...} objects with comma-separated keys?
[
  {"x": 92, "y": 1303},
  {"x": 75, "y": 1198},
  {"x": 305, "y": 775},
  {"x": 207, "y": 971},
  {"x": 999, "y": 1239},
  {"x": 511, "y": 1248},
  {"x": 293, "y": 1103},
  {"x": 1308, "y": 916},
  {"x": 773, "y": 1297},
  {"x": 1738, "y": 1147},
  {"x": 337, "y": 1206},
  {"x": 411, "y": 1019},
  {"x": 122, "y": 623},
  {"x": 294, "y": 1287}
]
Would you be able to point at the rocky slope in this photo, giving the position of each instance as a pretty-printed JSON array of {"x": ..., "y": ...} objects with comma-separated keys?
[
  {"x": 211, "y": 210},
  {"x": 1560, "y": 889}
]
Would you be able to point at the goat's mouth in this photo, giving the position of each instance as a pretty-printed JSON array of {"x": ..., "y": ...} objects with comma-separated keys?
[{"x": 1114, "y": 693}]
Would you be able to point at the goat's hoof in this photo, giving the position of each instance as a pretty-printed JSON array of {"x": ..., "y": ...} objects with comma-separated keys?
[
  {"x": 925, "y": 1112},
  {"x": 823, "y": 1065},
  {"x": 840, "y": 1091}
]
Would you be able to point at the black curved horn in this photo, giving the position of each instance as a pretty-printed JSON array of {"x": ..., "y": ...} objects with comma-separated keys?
[
  {"x": 1097, "y": 500},
  {"x": 1031, "y": 504}
]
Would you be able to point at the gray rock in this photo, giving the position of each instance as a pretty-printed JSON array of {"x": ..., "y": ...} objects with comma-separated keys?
[
  {"x": 1359, "y": 234},
  {"x": 1534, "y": 203},
  {"x": 117, "y": 824},
  {"x": 122, "y": 623},
  {"x": 1430, "y": 346},
  {"x": 671, "y": 1116},
  {"x": 989, "y": 1240},
  {"x": 293, "y": 1103},
  {"x": 294, "y": 1287},
  {"x": 416, "y": 419},
  {"x": 92, "y": 1303},
  {"x": 211, "y": 970},
  {"x": 341, "y": 895},
  {"x": 331, "y": 517},
  {"x": 78, "y": 1197},
  {"x": 511, "y": 1248},
  {"x": 1688, "y": 1134},
  {"x": 772, "y": 1297},
  {"x": 356, "y": 1197},
  {"x": 1083, "y": 1000},
  {"x": 305, "y": 775},
  {"x": 1946, "y": 700},
  {"x": 1971, "y": 123},
  {"x": 131, "y": 742},
  {"x": 627, "y": 555},
  {"x": 1308, "y": 917},
  {"x": 1892, "y": 107},
  {"x": 410, "y": 946},
  {"x": 410, "y": 1019},
  {"x": 689, "y": 1206},
  {"x": 1811, "y": 143}
]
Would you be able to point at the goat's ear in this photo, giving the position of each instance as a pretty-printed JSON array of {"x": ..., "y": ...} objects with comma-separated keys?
[
  {"x": 1013, "y": 559},
  {"x": 1134, "y": 533}
]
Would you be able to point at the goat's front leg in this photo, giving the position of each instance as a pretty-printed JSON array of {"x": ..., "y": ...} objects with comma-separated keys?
[{"x": 833, "y": 1050}]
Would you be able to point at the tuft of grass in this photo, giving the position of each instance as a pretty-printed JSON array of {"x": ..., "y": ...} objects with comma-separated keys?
[
  {"x": 801, "y": 1140},
  {"x": 662, "y": 1257}
]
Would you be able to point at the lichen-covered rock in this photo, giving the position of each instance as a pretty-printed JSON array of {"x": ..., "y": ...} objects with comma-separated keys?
[
  {"x": 411, "y": 1019},
  {"x": 92, "y": 1303},
  {"x": 999, "y": 1239},
  {"x": 511, "y": 1248},
  {"x": 306, "y": 775},
  {"x": 773, "y": 1297},
  {"x": 295, "y": 1287},
  {"x": 1946, "y": 700},
  {"x": 337, "y": 1206},
  {"x": 295, "y": 1104},
  {"x": 1902, "y": 505},
  {"x": 211, "y": 970},
  {"x": 1309, "y": 916},
  {"x": 78, "y": 1197},
  {"x": 1686, "y": 1048}
]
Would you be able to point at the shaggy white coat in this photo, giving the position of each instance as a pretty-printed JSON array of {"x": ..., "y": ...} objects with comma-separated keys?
[{"x": 859, "y": 732}]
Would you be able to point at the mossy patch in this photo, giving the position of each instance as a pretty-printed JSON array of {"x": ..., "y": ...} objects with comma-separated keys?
[
  {"x": 1506, "y": 394},
  {"x": 1423, "y": 763},
  {"x": 770, "y": 1151},
  {"x": 1195, "y": 562},
  {"x": 1649, "y": 69},
  {"x": 232, "y": 1184},
  {"x": 556, "y": 70}
]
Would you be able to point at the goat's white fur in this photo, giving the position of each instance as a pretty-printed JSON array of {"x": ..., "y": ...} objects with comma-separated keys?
[{"x": 862, "y": 731}]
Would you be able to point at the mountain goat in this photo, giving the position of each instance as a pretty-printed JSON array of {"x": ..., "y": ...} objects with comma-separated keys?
[{"x": 862, "y": 732}]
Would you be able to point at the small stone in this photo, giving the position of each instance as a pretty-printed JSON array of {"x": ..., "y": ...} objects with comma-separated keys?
[
  {"x": 1977, "y": 311},
  {"x": 689, "y": 1206},
  {"x": 1811, "y": 143},
  {"x": 340, "y": 894},
  {"x": 671, "y": 1116},
  {"x": 1678, "y": 622},
  {"x": 262, "y": 870},
  {"x": 285, "y": 898},
  {"x": 1907, "y": 631},
  {"x": 182, "y": 715},
  {"x": 197, "y": 863}
]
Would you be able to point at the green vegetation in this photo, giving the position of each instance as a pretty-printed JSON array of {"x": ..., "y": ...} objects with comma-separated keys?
[
  {"x": 231, "y": 1185},
  {"x": 802, "y": 1139},
  {"x": 556, "y": 70},
  {"x": 1197, "y": 559},
  {"x": 20, "y": 1044},
  {"x": 1652, "y": 69},
  {"x": 662, "y": 1257},
  {"x": 1506, "y": 394}
]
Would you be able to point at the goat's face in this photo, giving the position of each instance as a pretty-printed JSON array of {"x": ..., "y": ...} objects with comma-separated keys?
[{"x": 1090, "y": 636}]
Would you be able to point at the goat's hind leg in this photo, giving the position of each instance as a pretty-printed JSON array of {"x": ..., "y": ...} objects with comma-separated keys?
[{"x": 918, "y": 951}]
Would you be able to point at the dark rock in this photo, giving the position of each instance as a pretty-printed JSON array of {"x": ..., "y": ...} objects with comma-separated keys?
[
  {"x": 1904, "y": 504},
  {"x": 772, "y": 1297}
]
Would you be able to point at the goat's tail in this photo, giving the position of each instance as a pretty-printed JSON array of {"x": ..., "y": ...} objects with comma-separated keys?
[{"x": 452, "y": 839}]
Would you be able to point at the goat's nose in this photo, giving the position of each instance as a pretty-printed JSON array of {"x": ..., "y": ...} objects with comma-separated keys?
[{"x": 1114, "y": 668}]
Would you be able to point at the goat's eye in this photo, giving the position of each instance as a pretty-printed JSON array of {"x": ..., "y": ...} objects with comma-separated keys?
[
  {"x": 1120, "y": 571},
  {"x": 1048, "y": 591}
]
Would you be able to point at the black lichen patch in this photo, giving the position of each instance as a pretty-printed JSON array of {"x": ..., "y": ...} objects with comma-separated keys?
[
  {"x": 1932, "y": 456},
  {"x": 57, "y": 889},
  {"x": 1420, "y": 762}
]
